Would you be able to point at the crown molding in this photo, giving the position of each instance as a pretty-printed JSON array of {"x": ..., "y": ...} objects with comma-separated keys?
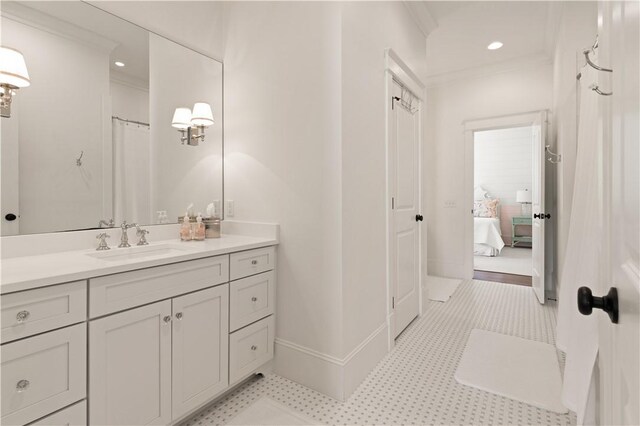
[
  {"x": 44, "y": 22},
  {"x": 490, "y": 69},
  {"x": 421, "y": 15}
]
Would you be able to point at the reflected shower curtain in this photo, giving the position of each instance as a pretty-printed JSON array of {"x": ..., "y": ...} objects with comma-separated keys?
[
  {"x": 577, "y": 335},
  {"x": 131, "y": 173}
]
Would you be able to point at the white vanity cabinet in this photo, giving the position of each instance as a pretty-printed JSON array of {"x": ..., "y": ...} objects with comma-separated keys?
[{"x": 139, "y": 347}]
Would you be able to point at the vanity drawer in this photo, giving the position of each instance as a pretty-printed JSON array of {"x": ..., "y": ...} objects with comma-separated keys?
[
  {"x": 30, "y": 312},
  {"x": 129, "y": 289},
  {"x": 42, "y": 374},
  {"x": 251, "y": 299},
  {"x": 252, "y": 262},
  {"x": 76, "y": 415},
  {"x": 250, "y": 347}
]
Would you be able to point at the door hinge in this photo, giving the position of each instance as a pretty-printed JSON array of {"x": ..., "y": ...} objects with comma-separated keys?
[
  {"x": 393, "y": 303},
  {"x": 393, "y": 203}
]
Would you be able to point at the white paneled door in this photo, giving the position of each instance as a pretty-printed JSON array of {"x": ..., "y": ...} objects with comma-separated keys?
[
  {"x": 619, "y": 352},
  {"x": 538, "y": 205},
  {"x": 404, "y": 150}
]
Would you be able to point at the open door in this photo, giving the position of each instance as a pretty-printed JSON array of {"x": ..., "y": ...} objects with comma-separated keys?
[
  {"x": 538, "y": 206},
  {"x": 619, "y": 352},
  {"x": 405, "y": 244}
]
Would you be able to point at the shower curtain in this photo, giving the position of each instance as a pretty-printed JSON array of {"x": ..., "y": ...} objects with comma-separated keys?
[
  {"x": 131, "y": 172},
  {"x": 577, "y": 335}
]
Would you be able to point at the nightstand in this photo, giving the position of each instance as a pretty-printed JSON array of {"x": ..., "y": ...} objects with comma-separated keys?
[{"x": 516, "y": 221}]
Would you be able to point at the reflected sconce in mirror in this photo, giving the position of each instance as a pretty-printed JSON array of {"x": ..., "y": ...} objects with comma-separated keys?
[
  {"x": 192, "y": 124},
  {"x": 13, "y": 76}
]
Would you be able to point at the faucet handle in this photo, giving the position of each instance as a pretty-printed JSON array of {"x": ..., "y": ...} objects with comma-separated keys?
[
  {"x": 102, "y": 244},
  {"x": 142, "y": 234}
]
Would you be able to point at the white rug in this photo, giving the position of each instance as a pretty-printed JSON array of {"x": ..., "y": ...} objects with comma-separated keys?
[
  {"x": 266, "y": 411},
  {"x": 513, "y": 367},
  {"x": 440, "y": 289},
  {"x": 516, "y": 261}
]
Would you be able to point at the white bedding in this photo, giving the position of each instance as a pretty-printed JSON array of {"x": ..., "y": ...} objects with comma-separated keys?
[{"x": 487, "y": 237}]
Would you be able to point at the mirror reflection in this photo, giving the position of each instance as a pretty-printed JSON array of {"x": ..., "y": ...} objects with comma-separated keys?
[{"x": 103, "y": 121}]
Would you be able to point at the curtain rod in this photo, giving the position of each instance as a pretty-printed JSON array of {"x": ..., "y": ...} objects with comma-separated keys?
[{"x": 130, "y": 121}]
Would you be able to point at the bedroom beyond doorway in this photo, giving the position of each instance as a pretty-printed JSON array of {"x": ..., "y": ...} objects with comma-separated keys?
[{"x": 502, "y": 222}]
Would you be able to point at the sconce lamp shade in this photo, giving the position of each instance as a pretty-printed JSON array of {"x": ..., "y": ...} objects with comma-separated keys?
[
  {"x": 181, "y": 118},
  {"x": 523, "y": 196},
  {"x": 202, "y": 115},
  {"x": 13, "y": 69}
]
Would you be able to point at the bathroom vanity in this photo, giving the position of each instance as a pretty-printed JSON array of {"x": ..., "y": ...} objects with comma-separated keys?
[{"x": 134, "y": 337}]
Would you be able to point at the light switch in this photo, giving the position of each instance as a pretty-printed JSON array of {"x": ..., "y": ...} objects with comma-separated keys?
[
  {"x": 450, "y": 204},
  {"x": 231, "y": 208}
]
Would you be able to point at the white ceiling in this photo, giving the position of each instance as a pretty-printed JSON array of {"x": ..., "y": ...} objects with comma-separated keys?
[{"x": 465, "y": 28}]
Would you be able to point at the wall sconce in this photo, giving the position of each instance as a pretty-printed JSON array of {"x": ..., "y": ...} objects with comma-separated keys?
[
  {"x": 191, "y": 125},
  {"x": 13, "y": 75}
]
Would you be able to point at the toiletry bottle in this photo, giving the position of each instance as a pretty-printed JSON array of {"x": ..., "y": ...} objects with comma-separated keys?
[
  {"x": 185, "y": 229},
  {"x": 199, "y": 233}
]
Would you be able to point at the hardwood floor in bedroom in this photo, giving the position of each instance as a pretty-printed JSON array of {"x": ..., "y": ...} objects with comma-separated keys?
[{"x": 502, "y": 277}]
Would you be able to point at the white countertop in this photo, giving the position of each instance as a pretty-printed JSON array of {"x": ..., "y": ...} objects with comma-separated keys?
[{"x": 28, "y": 272}]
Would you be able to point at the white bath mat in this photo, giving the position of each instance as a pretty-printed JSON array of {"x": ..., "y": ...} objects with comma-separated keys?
[
  {"x": 440, "y": 289},
  {"x": 516, "y": 368},
  {"x": 266, "y": 411}
]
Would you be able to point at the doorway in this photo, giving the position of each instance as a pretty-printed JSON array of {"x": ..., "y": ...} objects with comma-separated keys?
[
  {"x": 502, "y": 220},
  {"x": 529, "y": 126}
]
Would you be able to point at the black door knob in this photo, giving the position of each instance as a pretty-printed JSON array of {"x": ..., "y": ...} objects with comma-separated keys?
[
  {"x": 419, "y": 218},
  {"x": 10, "y": 217},
  {"x": 546, "y": 216},
  {"x": 608, "y": 303}
]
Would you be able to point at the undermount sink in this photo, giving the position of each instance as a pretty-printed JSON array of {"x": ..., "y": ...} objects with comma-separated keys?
[{"x": 138, "y": 252}]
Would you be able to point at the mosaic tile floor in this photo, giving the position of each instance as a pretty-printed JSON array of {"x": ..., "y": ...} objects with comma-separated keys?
[{"x": 414, "y": 383}]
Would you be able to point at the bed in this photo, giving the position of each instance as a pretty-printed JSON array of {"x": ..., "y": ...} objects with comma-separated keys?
[{"x": 487, "y": 237}]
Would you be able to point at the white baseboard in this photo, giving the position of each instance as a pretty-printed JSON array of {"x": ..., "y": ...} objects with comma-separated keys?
[{"x": 332, "y": 376}]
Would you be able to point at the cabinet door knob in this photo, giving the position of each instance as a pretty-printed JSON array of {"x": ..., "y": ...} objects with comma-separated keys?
[
  {"x": 254, "y": 299},
  {"x": 254, "y": 262},
  {"x": 22, "y": 316},
  {"x": 167, "y": 319},
  {"x": 254, "y": 347},
  {"x": 179, "y": 315},
  {"x": 22, "y": 385}
]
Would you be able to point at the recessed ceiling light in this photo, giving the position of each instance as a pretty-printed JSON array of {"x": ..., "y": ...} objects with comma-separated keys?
[
  {"x": 494, "y": 46},
  {"x": 121, "y": 64}
]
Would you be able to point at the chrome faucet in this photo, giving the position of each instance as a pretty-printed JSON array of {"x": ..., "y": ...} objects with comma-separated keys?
[
  {"x": 124, "y": 238},
  {"x": 109, "y": 224},
  {"x": 142, "y": 236},
  {"x": 102, "y": 241}
]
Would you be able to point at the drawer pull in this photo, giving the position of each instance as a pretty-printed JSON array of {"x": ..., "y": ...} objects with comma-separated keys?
[
  {"x": 254, "y": 262},
  {"x": 167, "y": 319},
  {"x": 22, "y": 316},
  {"x": 254, "y": 347},
  {"x": 254, "y": 299},
  {"x": 22, "y": 385},
  {"x": 179, "y": 315}
]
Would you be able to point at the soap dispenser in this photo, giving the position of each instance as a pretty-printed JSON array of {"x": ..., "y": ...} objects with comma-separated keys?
[
  {"x": 185, "y": 229},
  {"x": 199, "y": 231}
]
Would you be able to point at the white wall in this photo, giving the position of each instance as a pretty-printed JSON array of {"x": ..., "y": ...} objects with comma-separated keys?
[
  {"x": 52, "y": 133},
  {"x": 503, "y": 161},
  {"x": 578, "y": 27},
  {"x": 129, "y": 102},
  {"x": 305, "y": 147},
  {"x": 517, "y": 91}
]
